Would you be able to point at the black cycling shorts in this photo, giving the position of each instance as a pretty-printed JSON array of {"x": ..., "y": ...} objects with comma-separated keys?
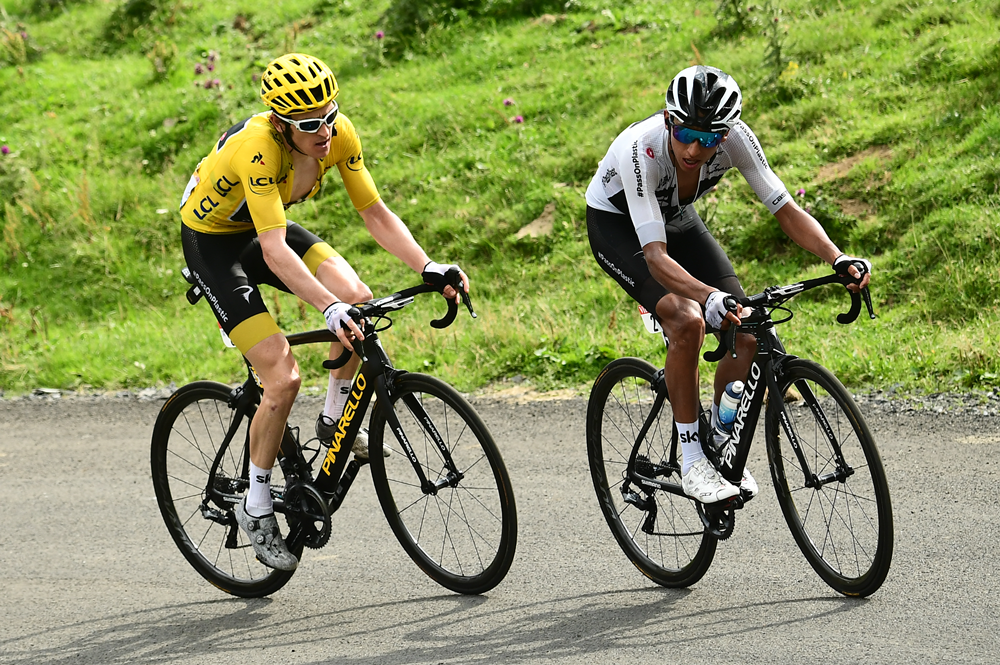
[
  {"x": 616, "y": 248},
  {"x": 229, "y": 267}
]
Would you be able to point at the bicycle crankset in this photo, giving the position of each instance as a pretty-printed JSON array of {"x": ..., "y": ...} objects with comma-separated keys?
[
  {"x": 308, "y": 513},
  {"x": 719, "y": 518}
]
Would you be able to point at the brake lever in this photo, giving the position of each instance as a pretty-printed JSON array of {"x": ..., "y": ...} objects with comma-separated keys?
[{"x": 867, "y": 296}]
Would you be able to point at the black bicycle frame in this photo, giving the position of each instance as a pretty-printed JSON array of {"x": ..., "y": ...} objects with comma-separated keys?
[{"x": 766, "y": 370}]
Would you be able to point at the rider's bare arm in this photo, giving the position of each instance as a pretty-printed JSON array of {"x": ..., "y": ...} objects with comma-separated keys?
[
  {"x": 391, "y": 234},
  {"x": 670, "y": 274},
  {"x": 808, "y": 234}
]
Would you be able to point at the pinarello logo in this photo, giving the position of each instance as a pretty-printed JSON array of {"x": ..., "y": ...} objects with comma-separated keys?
[{"x": 649, "y": 153}]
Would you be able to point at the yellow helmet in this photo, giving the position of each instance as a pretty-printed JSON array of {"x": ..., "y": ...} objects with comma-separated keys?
[{"x": 297, "y": 83}]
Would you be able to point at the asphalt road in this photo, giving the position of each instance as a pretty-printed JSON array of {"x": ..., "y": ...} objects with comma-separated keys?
[{"x": 90, "y": 575}]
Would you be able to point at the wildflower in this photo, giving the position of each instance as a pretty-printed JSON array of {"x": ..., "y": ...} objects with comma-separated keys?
[
  {"x": 518, "y": 119},
  {"x": 800, "y": 192},
  {"x": 508, "y": 102},
  {"x": 208, "y": 84},
  {"x": 211, "y": 66},
  {"x": 216, "y": 83},
  {"x": 809, "y": 209},
  {"x": 199, "y": 69},
  {"x": 255, "y": 77},
  {"x": 212, "y": 57},
  {"x": 24, "y": 35},
  {"x": 5, "y": 150},
  {"x": 379, "y": 35}
]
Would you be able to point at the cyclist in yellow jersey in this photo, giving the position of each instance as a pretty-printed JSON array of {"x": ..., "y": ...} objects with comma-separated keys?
[{"x": 236, "y": 237}]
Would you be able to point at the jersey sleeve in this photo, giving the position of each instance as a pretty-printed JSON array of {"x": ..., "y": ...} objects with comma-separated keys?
[
  {"x": 257, "y": 165},
  {"x": 350, "y": 162},
  {"x": 747, "y": 156},
  {"x": 639, "y": 182}
]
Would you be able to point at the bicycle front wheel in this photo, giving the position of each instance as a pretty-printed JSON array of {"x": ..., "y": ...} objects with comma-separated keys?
[
  {"x": 462, "y": 531},
  {"x": 187, "y": 436},
  {"x": 829, "y": 480},
  {"x": 660, "y": 532}
]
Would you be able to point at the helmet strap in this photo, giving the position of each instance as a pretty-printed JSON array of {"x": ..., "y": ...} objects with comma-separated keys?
[{"x": 286, "y": 133}]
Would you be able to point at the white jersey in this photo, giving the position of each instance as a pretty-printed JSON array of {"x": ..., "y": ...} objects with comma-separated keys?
[{"x": 638, "y": 164}]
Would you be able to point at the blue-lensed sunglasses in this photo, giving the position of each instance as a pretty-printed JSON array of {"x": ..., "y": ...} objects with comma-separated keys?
[
  {"x": 312, "y": 125},
  {"x": 686, "y": 135}
]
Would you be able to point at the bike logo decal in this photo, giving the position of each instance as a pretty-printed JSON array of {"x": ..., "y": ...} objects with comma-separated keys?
[
  {"x": 741, "y": 414},
  {"x": 345, "y": 422}
]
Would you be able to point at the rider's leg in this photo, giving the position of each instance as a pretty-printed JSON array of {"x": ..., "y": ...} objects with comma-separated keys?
[
  {"x": 279, "y": 375},
  {"x": 337, "y": 275},
  {"x": 684, "y": 328},
  {"x": 732, "y": 369}
]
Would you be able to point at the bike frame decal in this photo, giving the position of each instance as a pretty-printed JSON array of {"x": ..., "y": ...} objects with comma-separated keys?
[{"x": 344, "y": 424}]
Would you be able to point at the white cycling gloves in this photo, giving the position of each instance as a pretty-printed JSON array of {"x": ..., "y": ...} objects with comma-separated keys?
[
  {"x": 337, "y": 315},
  {"x": 438, "y": 268},
  {"x": 842, "y": 262},
  {"x": 715, "y": 308}
]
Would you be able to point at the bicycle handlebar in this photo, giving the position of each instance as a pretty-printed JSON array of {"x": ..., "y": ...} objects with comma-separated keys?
[
  {"x": 400, "y": 299},
  {"x": 774, "y": 296}
]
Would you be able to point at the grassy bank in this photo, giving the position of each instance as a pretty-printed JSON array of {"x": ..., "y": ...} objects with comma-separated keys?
[{"x": 885, "y": 114}]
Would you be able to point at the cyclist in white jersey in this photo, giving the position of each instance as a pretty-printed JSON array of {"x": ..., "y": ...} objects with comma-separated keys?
[{"x": 645, "y": 234}]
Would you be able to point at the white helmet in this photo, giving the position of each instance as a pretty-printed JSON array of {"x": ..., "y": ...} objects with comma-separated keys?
[{"x": 705, "y": 98}]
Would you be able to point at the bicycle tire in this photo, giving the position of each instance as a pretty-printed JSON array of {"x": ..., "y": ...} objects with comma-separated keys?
[
  {"x": 463, "y": 536},
  {"x": 843, "y": 527},
  {"x": 679, "y": 551},
  {"x": 186, "y": 437}
]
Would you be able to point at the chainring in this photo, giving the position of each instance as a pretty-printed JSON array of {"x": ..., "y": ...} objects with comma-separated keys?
[
  {"x": 719, "y": 522},
  {"x": 308, "y": 511}
]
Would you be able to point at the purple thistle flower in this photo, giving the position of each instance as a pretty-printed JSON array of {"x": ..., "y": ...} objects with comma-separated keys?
[
  {"x": 216, "y": 83},
  {"x": 24, "y": 35},
  {"x": 518, "y": 119},
  {"x": 208, "y": 83},
  {"x": 379, "y": 35},
  {"x": 809, "y": 209},
  {"x": 508, "y": 102},
  {"x": 199, "y": 69},
  {"x": 5, "y": 150},
  {"x": 211, "y": 66},
  {"x": 800, "y": 192},
  {"x": 212, "y": 57}
]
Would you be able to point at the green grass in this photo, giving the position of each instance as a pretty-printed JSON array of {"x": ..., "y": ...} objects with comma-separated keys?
[{"x": 885, "y": 113}]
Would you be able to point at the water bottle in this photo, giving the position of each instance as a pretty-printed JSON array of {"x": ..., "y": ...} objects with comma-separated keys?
[{"x": 729, "y": 404}]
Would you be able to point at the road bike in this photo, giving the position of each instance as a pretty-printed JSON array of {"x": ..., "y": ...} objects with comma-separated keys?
[
  {"x": 826, "y": 469},
  {"x": 444, "y": 489}
]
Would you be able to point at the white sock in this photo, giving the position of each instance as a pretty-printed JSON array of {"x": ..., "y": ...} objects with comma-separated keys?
[
  {"x": 690, "y": 445},
  {"x": 258, "y": 501},
  {"x": 336, "y": 397}
]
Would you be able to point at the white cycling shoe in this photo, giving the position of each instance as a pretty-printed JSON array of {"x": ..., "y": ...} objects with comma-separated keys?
[{"x": 704, "y": 483}]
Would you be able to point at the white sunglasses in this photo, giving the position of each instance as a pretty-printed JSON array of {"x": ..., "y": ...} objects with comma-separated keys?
[{"x": 312, "y": 125}]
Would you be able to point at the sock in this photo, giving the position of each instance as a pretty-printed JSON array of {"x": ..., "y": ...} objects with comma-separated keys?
[
  {"x": 258, "y": 502},
  {"x": 336, "y": 397},
  {"x": 690, "y": 445}
]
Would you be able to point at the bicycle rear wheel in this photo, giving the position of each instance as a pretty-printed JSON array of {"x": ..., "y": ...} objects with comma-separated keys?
[
  {"x": 665, "y": 539},
  {"x": 187, "y": 436},
  {"x": 462, "y": 534},
  {"x": 837, "y": 506}
]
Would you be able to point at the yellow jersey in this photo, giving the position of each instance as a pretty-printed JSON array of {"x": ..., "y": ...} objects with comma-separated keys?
[{"x": 246, "y": 182}]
